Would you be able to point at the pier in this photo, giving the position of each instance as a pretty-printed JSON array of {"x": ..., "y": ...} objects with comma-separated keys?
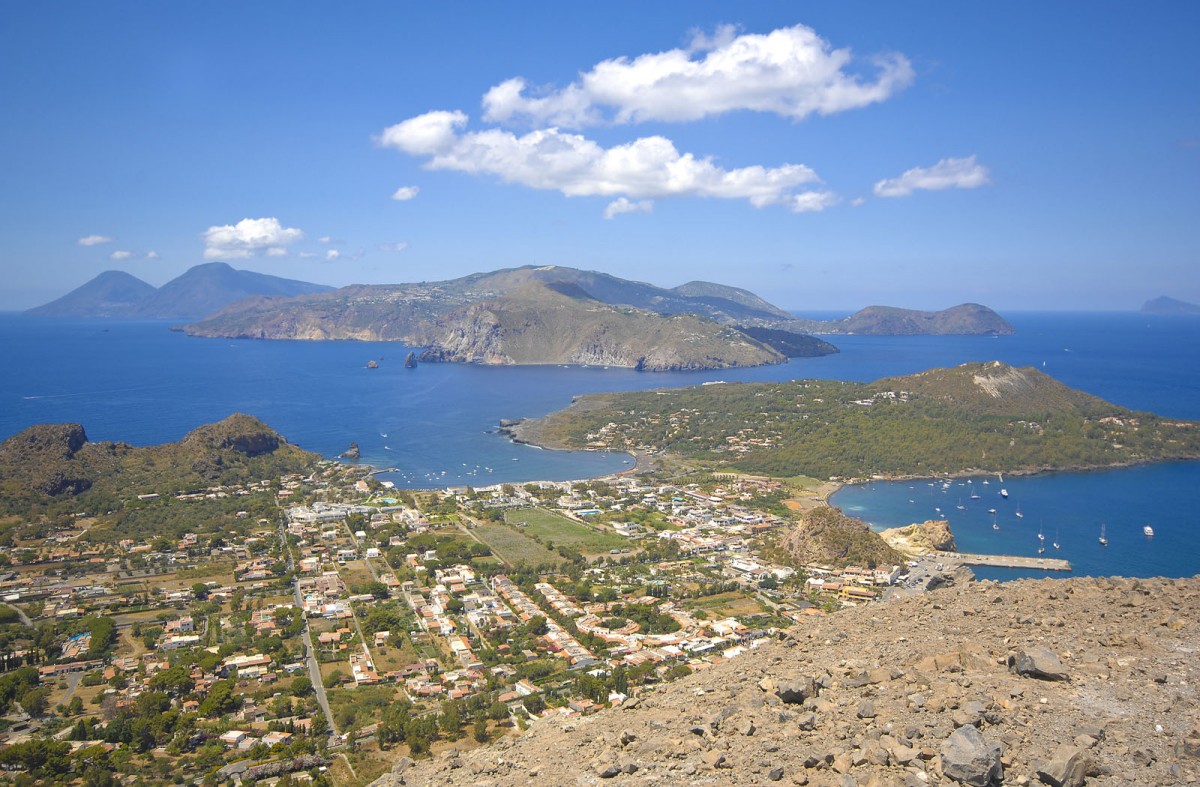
[{"x": 1005, "y": 561}]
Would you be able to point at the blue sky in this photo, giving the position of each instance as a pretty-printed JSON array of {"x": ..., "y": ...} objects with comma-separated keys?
[{"x": 826, "y": 156}]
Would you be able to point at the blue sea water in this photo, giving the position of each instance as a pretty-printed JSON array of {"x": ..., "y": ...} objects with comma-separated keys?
[{"x": 144, "y": 384}]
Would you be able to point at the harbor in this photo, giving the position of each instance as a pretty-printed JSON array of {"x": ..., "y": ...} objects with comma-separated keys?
[{"x": 1004, "y": 561}]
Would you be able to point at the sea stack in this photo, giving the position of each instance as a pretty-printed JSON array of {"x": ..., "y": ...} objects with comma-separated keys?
[
  {"x": 410, "y": 360},
  {"x": 352, "y": 453}
]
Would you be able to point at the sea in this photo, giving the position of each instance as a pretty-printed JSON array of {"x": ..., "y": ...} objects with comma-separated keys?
[{"x": 436, "y": 425}]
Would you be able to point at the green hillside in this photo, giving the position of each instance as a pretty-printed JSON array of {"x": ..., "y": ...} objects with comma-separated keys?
[
  {"x": 54, "y": 466},
  {"x": 983, "y": 416}
]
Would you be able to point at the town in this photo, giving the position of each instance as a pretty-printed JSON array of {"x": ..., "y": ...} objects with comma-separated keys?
[{"x": 316, "y": 627}]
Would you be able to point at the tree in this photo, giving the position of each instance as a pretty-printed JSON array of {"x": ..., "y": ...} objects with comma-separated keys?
[
  {"x": 200, "y": 591},
  {"x": 175, "y": 681},
  {"x": 480, "y": 732},
  {"x": 35, "y": 701},
  {"x": 302, "y": 686},
  {"x": 450, "y": 720},
  {"x": 220, "y": 700}
]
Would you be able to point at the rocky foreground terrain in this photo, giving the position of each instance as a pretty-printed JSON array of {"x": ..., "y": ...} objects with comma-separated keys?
[{"x": 1058, "y": 682}]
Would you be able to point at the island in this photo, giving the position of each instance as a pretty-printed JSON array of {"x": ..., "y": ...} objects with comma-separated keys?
[
  {"x": 1166, "y": 305},
  {"x": 556, "y": 314},
  {"x": 200, "y": 291}
]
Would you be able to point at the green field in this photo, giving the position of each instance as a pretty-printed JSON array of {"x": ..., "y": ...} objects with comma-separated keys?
[
  {"x": 514, "y": 547},
  {"x": 551, "y": 527},
  {"x": 725, "y": 605}
]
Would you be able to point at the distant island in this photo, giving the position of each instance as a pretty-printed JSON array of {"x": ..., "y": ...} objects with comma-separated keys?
[
  {"x": 199, "y": 292},
  {"x": 979, "y": 417},
  {"x": 1165, "y": 305},
  {"x": 964, "y": 319},
  {"x": 529, "y": 315}
]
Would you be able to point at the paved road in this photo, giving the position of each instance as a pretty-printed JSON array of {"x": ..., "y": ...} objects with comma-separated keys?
[{"x": 314, "y": 667}]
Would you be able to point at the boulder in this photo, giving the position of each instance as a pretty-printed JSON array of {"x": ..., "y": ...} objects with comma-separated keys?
[
  {"x": 969, "y": 759},
  {"x": 1068, "y": 767},
  {"x": 796, "y": 691},
  {"x": 1038, "y": 662}
]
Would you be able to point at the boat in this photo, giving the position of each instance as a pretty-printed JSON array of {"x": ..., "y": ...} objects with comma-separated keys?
[
  {"x": 1056, "y": 543},
  {"x": 1019, "y": 514},
  {"x": 1147, "y": 530},
  {"x": 995, "y": 524},
  {"x": 1041, "y": 549},
  {"x": 1103, "y": 540},
  {"x": 1003, "y": 492},
  {"x": 1041, "y": 535},
  {"x": 991, "y": 510}
]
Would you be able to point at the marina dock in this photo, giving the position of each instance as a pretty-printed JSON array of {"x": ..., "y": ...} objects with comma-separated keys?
[{"x": 1005, "y": 561}]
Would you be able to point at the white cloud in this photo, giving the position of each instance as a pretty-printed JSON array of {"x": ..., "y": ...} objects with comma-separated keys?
[
  {"x": 648, "y": 167},
  {"x": 405, "y": 193},
  {"x": 858, "y": 202},
  {"x": 425, "y": 134},
  {"x": 812, "y": 201},
  {"x": 622, "y": 205},
  {"x": 249, "y": 237},
  {"x": 120, "y": 255},
  {"x": 94, "y": 240},
  {"x": 394, "y": 247},
  {"x": 949, "y": 173},
  {"x": 332, "y": 254},
  {"x": 325, "y": 239},
  {"x": 791, "y": 72},
  {"x": 152, "y": 255},
  {"x": 308, "y": 254}
]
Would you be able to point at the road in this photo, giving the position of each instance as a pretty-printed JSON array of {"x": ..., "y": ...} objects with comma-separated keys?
[{"x": 310, "y": 653}]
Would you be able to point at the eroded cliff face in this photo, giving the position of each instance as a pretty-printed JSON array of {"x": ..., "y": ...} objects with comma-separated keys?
[
  {"x": 538, "y": 325},
  {"x": 933, "y": 534}
]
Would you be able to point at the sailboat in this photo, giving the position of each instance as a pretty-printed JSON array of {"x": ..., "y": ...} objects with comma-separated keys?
[
  {"x": 1056, "y": 544},
  {"x": 1103, "y": 540},
  {"x": 995, "y": 524},
  {"x": 1041, "y": 535},
  {"x": 1019, "y": 514}
]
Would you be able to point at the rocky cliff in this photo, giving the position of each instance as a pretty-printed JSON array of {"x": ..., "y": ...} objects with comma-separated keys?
[
  {"x": 1053, "y": 682},
  {"x": 930, "y": 535},
  {"x": 561, "y": 324}
]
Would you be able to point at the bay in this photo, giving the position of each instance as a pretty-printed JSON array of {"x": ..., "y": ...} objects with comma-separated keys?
[{"x": 142, "y": 383}]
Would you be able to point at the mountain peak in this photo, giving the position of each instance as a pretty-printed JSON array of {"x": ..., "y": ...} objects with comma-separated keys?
[{"x": 201, "y": 290}]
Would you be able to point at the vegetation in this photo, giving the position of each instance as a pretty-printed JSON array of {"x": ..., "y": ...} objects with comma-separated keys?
[
  {"x": 54, "y": 468},
  {"x": 549, "y": 527},
  {"x": 987, "y": 417}
]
